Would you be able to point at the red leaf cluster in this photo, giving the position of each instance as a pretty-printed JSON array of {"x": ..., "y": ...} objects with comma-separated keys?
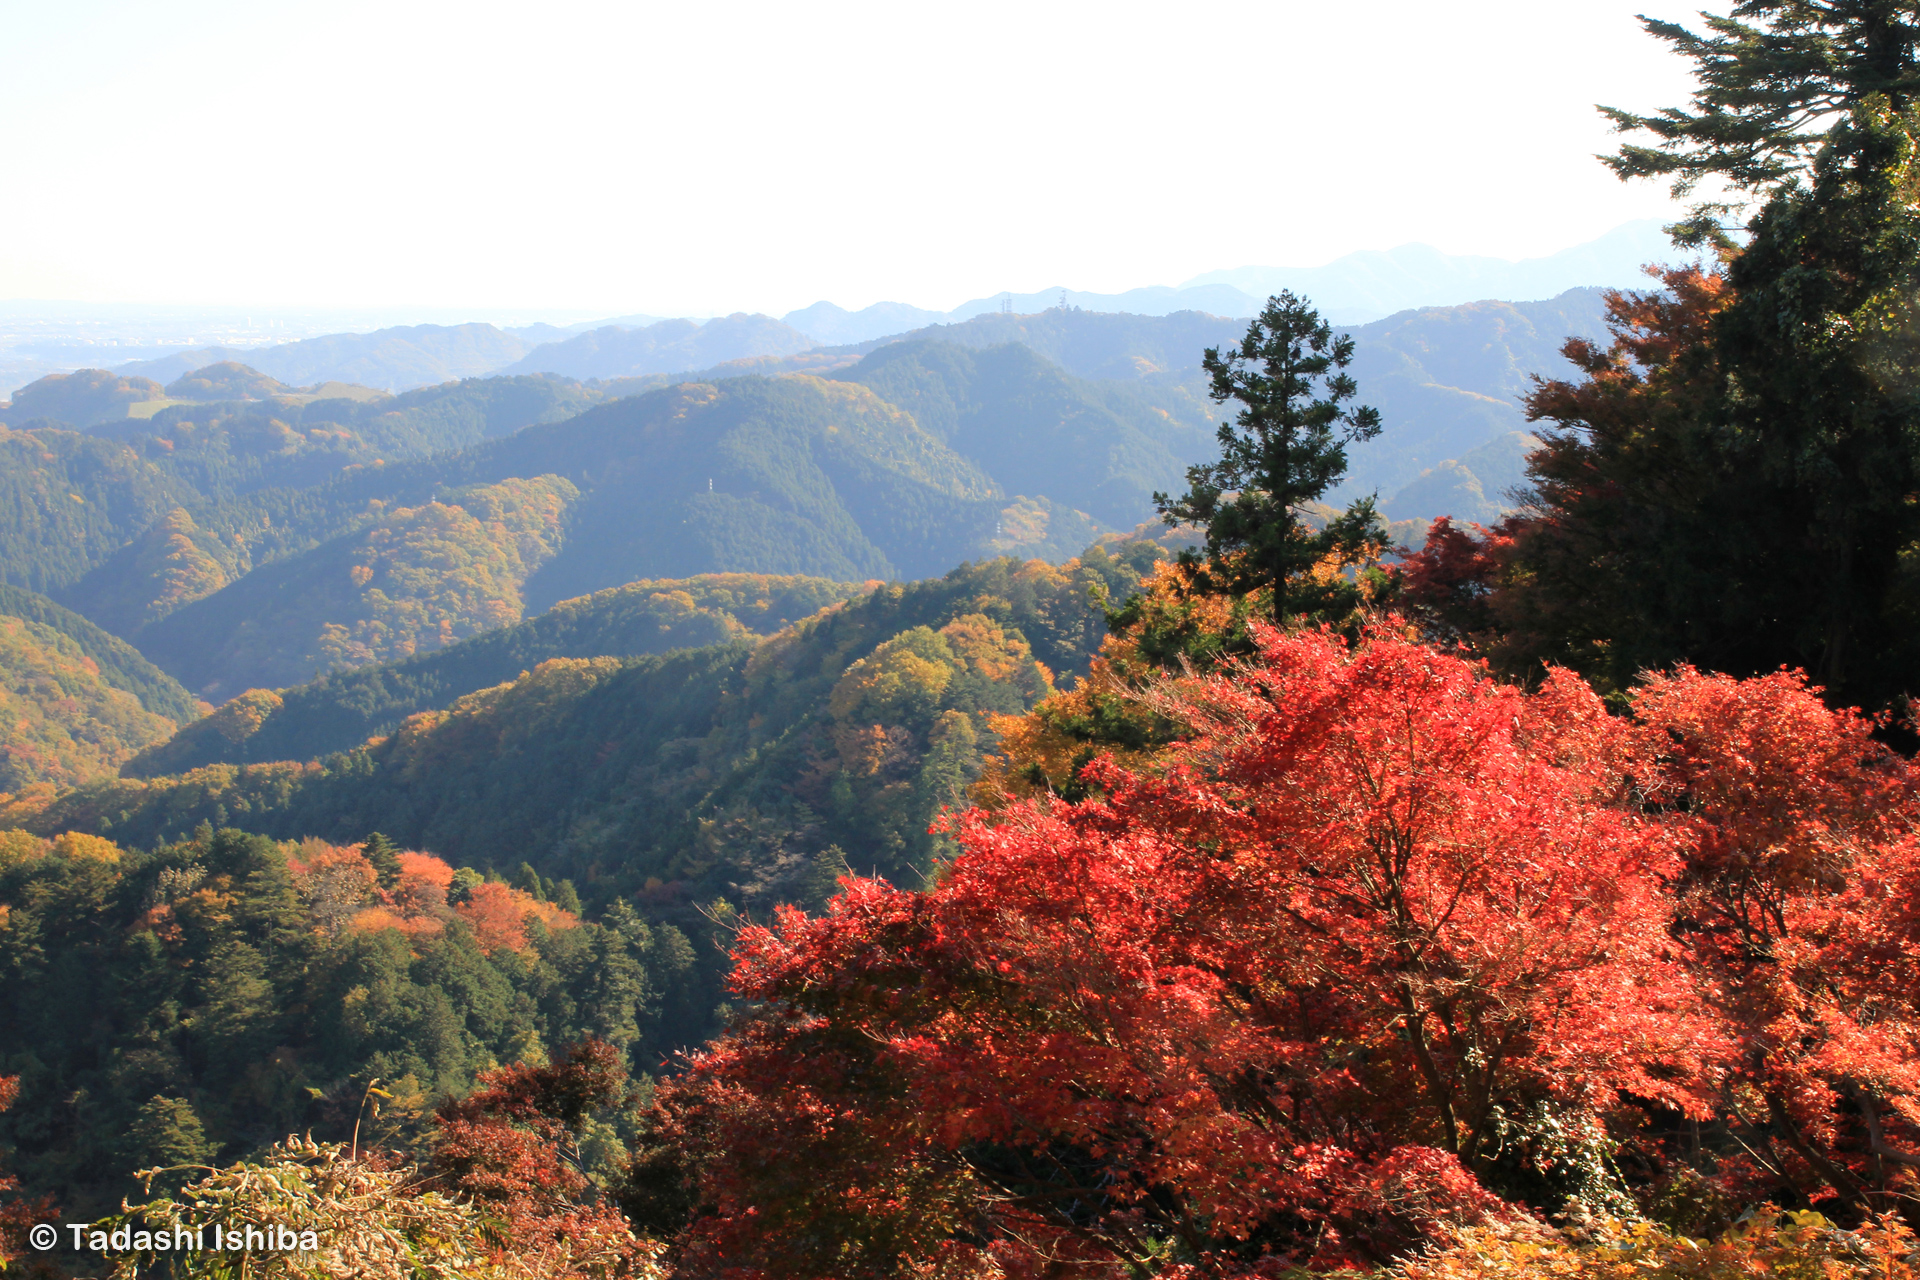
[
  {"x": 510, "y": 1145},
  {"x": 18, "y": 1215},
  {"x": 1286, "y": 996}
]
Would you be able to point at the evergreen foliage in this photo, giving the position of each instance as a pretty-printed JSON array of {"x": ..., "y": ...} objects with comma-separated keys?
[
  {"x": 341, "y": 710},
  {"x": 239, "y": 990},
  {"x": 699, "y": 773},
  {"x": 1284, "y": 449},
  {"x": 1730, "y": 484}
]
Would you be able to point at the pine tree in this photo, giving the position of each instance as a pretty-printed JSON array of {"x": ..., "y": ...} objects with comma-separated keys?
[
  {"x": 384, "y": 855},
  {"x": 1285, "y": 448},
  {"x": 1777, "y": 80},
  {"x": 167, "y": 1134},
  {"x": 528, "y": 881}
]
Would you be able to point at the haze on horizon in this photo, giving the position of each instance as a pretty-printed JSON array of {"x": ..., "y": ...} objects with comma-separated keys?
[{"x": 679, "y": 159}]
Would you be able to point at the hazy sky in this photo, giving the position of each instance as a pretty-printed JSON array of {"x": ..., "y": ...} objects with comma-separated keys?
[{"x": 703, "y": 157}]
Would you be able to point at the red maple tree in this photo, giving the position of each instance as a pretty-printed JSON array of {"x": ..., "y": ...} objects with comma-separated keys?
[
  {"x": 1290, "y": 996},
  {"x": 511, "y": 1145},
  {"x": 1800, "y": 907}
]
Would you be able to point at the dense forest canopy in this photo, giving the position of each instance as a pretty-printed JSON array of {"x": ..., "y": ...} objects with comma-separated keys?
[{"x": 627, "y": 845}]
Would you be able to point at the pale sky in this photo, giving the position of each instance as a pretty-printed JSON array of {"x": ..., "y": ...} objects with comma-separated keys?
[{"x": 698, "y": 158}]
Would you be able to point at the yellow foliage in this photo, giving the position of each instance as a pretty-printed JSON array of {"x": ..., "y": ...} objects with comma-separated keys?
[
  {"x": 232, "y": 723},
  {"x": 1041, "y": 750},
  {"x": 991, "y": 652},
  {"x": 18, "y": 847},
  {"x": 901, "y": 679},
  {"x": 63, "y": 722},
  {"x": 81, "y": 847},
  {"x": 429, "y": 575},
  {"x": 1796, "y": 1246}
]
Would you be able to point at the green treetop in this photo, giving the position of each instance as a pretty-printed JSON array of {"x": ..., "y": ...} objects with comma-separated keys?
[
  {"x": 1285, "y": 448},
  {"x": 1776, "y": 79}
]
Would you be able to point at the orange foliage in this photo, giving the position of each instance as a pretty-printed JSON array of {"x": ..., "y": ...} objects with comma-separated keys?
[
  {"x": 424, "y": 881},
  {"x": 1798, "y": 1244},
  {"x": 374, "y": 919},
  {"x": 498, "y": 916}
]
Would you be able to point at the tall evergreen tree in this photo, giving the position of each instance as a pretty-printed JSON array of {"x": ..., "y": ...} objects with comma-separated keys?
[
  {"x": 1801, "y": 453},
  {"x": 383, "y": 855},
  {"x": 1285, "y": 448}
]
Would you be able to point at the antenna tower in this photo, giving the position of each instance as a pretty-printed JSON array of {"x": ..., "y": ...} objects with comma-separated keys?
[{"x": 1006, "y": 304}]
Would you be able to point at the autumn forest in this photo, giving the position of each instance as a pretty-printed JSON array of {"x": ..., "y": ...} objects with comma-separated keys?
[{"x": 953, "y": 806}]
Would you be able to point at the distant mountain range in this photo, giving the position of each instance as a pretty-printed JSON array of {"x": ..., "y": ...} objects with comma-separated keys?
[
  {"x": 666, "y": 346},
  {"x": 388, "y": 359},
  {"x": 241, "y": 532},
  {"x": 1355, "y": 289}
]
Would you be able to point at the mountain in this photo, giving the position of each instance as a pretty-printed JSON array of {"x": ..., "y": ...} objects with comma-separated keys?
[
  {"x": 394, "y": 359},
  {"x": 173, "y": 363},
  {"x": 540, "y": 333},
  {"x": 1020, "y": 417},
  {"x": 68, "y": 501},
  {"x": 752, "y": 475},
  {"x": 1023, "y": 435},
  {"x": 167, "y": 565},
  {"x": 671, "y": 346},
  {"x": 1152, "y": 300},
  {"x": 733, "y": 770},
  {"x": 79, "y": 399},
  {"x": 118, "y": 663},
  {"x": 834, "y": 326},
  {"x": 1446, "y": 380},
  {"x": 234, "y": 447},
  {"x": 226, "y": 380},
  {"x": 1476, "y": 486},
  {"x": 340, "y": 711},
  {"x": 415, "y": 578},
  {"x": 76, "y": 701},
  {"x": 1354, "y": 289},
  {"x": 1364, "y": 286}
]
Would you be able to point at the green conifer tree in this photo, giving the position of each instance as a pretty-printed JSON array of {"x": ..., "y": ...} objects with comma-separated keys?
[
  {"x": 528, "y": 880},
  {"x": 167, "y": 1133},
  {"x": 384, "y": 855},
  {"x": 1286, "y": 448}
]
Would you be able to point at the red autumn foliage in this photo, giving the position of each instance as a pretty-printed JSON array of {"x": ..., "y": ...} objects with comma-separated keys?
[
  {"x": 1279, "y": 1000},
  {"x": 1328, "y": 980},
  {"x": 511, "y": 1146},
  {"x": 18, "y": 1215},
  {"x": 1447, "y": 585},
  {"x": 1801, "y": 910}
]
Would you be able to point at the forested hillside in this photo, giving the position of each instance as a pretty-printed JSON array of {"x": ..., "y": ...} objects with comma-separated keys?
[
  {"x": 243, "y": 990},
  {"x": 81, "y": 399},
  {"x": 76, "y": 701},
  {"x": 339, "y": 712},
  {"x": 730, "y": 770},
  {"x": 1102, "y": 450},
  {"x": 412, "y": 578}
]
